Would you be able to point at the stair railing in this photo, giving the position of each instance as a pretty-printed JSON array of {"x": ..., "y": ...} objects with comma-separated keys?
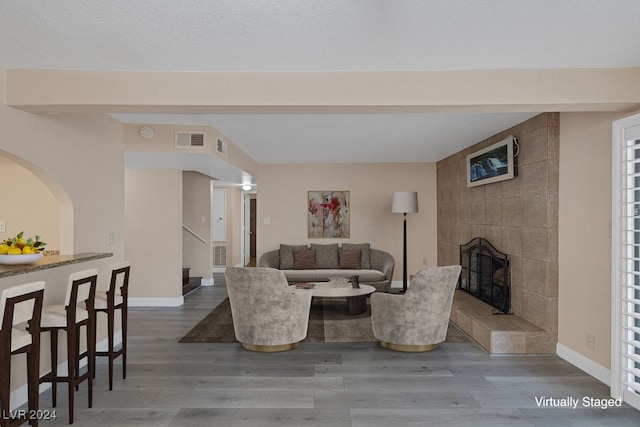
[{"x": 196, "y": 235}]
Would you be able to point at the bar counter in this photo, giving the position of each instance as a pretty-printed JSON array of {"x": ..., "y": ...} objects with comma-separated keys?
[{"x": 47, "y": 262}]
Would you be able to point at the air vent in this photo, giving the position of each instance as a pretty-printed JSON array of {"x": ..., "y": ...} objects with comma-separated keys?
[
  {"x": 191, "y": 139},
  {"x": 219, "y": 256},
  {"x": 221, "y": 147}
]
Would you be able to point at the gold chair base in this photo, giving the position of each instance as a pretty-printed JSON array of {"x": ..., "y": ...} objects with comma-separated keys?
[
  {"x": 270, "y": 348},
  {"x": 408, "y": 348}
]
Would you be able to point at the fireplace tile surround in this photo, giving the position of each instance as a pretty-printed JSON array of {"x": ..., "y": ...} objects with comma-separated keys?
[{"x": 520, "y": 217}]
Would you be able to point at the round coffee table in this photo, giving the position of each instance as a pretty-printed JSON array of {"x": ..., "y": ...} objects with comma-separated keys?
[{"x": 356, "y": 298}]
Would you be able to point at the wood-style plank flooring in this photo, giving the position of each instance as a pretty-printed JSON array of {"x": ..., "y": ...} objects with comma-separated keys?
[{"x": 322, "y": 384}]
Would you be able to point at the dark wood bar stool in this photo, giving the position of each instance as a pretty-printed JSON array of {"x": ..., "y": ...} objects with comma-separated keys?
[
  {"x": 76, "y": 312},
  {"x": 22, "y": 308},
  {"x": 115, "y": 298}
]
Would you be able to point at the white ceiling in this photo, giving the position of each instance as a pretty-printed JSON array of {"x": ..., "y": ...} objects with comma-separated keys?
[{"x": 319, "y": 35}]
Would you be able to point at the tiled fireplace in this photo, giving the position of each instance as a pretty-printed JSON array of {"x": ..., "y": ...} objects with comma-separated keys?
[{"x": 520, "y": 217}]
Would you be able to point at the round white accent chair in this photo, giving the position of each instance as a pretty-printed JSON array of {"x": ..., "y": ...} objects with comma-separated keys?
[
  {"x": 418, "y": 319},
  {"x": 267, "y": 315}
]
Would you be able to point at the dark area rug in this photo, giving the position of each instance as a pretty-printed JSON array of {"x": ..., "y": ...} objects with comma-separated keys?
[{"x": 328, "y": 322}]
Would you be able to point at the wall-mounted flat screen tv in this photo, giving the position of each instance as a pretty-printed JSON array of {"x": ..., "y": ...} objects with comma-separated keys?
[{"x": 497, "y": 162}]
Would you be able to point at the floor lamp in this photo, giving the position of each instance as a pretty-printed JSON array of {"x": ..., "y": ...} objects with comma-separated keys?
[{"x": 404, "y": 202}]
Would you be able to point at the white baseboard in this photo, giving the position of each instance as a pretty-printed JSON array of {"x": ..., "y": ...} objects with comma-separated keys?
[
  {"x": 207, "y": 282},
  {"x": 592, "y": 368},
  {"x": 218, "y": 269},
  {"x": 19, "y": 396},
  {"x": 396, "y": 284},
  {"x": 102, "y": 345},
  {"x": 156, "y": 302}
]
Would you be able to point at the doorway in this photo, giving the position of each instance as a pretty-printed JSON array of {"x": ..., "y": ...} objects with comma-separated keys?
[
  {"x": 250, "y": 234},
  {"x": 252, "y": 229}
]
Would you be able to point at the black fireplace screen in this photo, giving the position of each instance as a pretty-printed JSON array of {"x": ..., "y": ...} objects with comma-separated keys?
[{"x": 485, "y": 273}]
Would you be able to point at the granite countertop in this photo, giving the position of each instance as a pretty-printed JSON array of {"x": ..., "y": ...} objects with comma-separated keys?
[{"x": 48, "y": 262}]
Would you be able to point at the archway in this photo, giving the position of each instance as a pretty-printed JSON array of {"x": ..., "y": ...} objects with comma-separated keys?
[{"x": 33, "y": 202}]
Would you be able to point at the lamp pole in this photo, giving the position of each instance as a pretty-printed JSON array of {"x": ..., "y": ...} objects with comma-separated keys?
[
  {"x": 404, "y": 255},
  {"x": 404, "y": 202}
]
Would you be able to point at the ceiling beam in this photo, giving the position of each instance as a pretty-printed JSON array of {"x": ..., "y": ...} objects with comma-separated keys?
[{"x": 515, "y": 90}]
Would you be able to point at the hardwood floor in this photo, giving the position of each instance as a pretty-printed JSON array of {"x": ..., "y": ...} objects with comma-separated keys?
[{"x": 320, "y": 384}]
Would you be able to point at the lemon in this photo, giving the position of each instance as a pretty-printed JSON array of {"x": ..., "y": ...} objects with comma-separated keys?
[{"x": 19, "y": 245}]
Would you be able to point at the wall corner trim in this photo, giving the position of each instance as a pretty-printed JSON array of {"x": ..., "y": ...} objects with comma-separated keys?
[{"x": 578, "y": 360}]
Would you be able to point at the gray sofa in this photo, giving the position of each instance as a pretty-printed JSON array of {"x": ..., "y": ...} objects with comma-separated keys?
[{"x": 375, "y": 267}]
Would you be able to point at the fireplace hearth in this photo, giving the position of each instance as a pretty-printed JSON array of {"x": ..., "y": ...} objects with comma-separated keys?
[{"x": 485, "y": 274}]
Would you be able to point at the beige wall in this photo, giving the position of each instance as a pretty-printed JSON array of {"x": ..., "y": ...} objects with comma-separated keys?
[
  {"x": 196, "y": 205},
  {"x": 153, "y": 217},
  {"x": 234, "y": 226},
  {"x": 282, "y": 197},
  {"x": 518, "y": 216},
  {"x": 91, "y": 178},
  {"x": 585, "y": 233},
  {"x": 27, "y": 205}
]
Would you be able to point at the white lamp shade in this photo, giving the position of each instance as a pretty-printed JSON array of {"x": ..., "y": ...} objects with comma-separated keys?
[{"x": 405, "y": 202}]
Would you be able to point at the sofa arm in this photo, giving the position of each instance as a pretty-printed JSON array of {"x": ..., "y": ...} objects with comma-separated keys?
[
  {"x": 270, "y": 259},
  {"x": 383, "y": 261}
]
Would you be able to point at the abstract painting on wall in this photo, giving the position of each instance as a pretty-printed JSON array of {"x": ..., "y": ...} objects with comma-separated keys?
[{"x": 328, "y": 213}]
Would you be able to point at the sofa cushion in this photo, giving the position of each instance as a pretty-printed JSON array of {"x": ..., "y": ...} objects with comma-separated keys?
[
  {"x": 286, "y": 255},
  {"x": 350, "y": 259},
  {"x": 304, "y": 259},
  {"x": 323, "y": 275},
  {"x": 365, "y": 248},
  {"x": 326, "y": 255}
]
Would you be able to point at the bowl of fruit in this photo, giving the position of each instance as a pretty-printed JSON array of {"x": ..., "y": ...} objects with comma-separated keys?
[{"x": 19, "y": 250}]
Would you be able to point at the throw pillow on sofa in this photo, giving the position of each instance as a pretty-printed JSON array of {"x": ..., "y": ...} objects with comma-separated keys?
[
  {"x": 286, "y": 255},
  {"x": 304, "y": 260},
  {"x": 350, "y": 259},
  {"x": 326, "y": 255},
  {"x": 365, "y": 249}
]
